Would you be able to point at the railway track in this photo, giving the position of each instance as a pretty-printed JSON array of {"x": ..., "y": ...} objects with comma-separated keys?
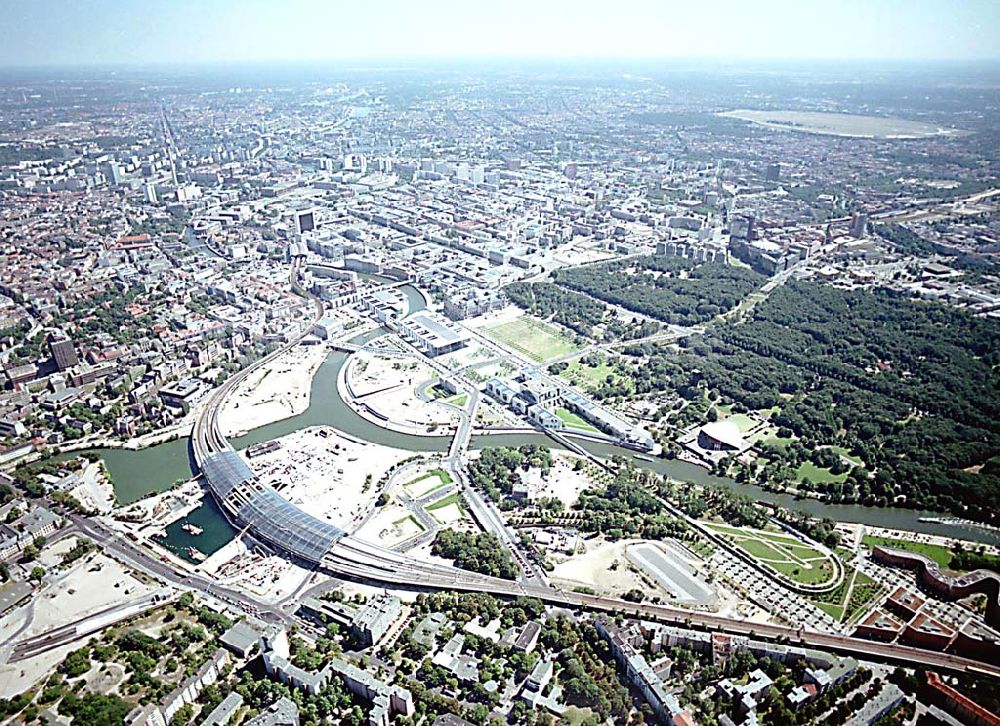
[{"x": 359, "y": 560}]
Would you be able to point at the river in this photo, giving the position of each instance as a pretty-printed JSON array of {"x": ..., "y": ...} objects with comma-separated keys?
[{"x": 157, "y": 468}]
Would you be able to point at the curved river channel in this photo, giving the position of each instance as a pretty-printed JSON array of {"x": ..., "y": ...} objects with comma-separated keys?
[{"x": 157, "y": 468}]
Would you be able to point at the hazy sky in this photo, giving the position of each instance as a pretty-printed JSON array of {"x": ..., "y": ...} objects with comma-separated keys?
[{"x": 57, "y": 32}]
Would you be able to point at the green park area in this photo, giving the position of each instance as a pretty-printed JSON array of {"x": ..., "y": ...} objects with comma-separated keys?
[
  {"x": 846, "y": 454},
  {"x": 531, "y": 337},
  {"x": 589, "y": 377},
  {"x": 452, "y": 499},
  {"x": 855, "y": 596},
  {"x": 458, "y": 400},
  {"x": 783, "y": 553},
  {"x": 817, "y": 474}
]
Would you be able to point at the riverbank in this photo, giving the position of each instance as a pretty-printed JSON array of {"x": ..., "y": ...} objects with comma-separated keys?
[
  {"x": 274, "y": 392},
  {"x": 154, "y": 438},
  {"x": 137, "y": 473},
  {"x": 384, "y": 394}
]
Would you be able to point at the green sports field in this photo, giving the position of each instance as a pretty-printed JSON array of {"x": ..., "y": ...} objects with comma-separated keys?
[{"x": 532, "y": 337}]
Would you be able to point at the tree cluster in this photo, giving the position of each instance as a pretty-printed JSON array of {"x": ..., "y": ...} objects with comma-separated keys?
[
  {"x": 478, "y": 552},
  {"x": 497, "y": 470},
  {"x": 670, "y": 289}
]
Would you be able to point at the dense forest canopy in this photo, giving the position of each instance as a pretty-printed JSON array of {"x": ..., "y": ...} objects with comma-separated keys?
[
  {"x": 670, "y": 289},
  {"x": 909, "y": 386}
]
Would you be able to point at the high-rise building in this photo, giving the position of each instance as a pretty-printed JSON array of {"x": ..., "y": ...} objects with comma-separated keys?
[
  {"x": 305, "y": 221},
  {"x": 743, "y": 227},
  {"x": 859, "y": 223},
  {"x": 115, "y": 172},
  {"x": 63, "y": 351},
  {"x": 356, "y": 163},
  {"x": 773, "y": 172}
]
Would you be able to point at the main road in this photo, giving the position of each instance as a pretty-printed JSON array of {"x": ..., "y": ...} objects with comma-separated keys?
[{"x": 359, "y": 560}]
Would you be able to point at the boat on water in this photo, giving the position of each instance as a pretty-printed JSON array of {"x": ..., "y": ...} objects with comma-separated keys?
[
  {"x": 192, "y": 529},
  {"x": 196, "y": 554},
  {"x": 642, "y": 457},
  {"x": 959, "y": 522}
]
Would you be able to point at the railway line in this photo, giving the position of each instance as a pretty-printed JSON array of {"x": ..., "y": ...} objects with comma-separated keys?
[{"x": 346, "y": 556}]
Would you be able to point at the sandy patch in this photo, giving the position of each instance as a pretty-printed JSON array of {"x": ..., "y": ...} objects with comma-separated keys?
[
  {"x": 423, "y": 553},
  {"x": 392, "y": 525},
  {"x": 602, "y": 567},
  {"x": 384, "y": 388},
  {"x": 448, "y": 513},
  {"x": 326, "y": 473},
  {"x": 562, "y": 482},
  {"x": 94, "y": 490},
  {"x": 97, "y": 582},
  {"x": 274, "y": 392},
  {"x": 269, "y": 578},
  {"x": 51, "y": 555}
]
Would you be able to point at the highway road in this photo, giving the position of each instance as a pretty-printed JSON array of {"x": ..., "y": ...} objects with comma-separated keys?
[
  {"x": 355, "y": 559},
  {"x": 112, "y": 542}
]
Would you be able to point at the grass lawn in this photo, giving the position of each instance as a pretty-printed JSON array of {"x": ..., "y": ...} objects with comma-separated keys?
[
  {"x": 819, "y": 572},
  {"x": 803, "y": 552},
  {"x": 845, "y": 554},
  {"x": 779, "y": 440},
  {"x": 846, "y": 453},
  {"x": 779, "y": 537},
  {"x": 532, "y": 337},
  {"x": 574, "y": 715},
  {"x": 941, "y": 555},
  {"x": 586, "y": 377},
  {"x": 574, "y": 421},
  {"x": 761, "y": 550},
  {"x": 797, "y": 561},
  {"x": 816, "y": 475},
  {"x": 769, "y": 435},
  {"x": 459, "y": 400},
  {"x": 455, "y": 498},
  {"x": 865, "y": 592},
  {"x": 834, "y": 611}
]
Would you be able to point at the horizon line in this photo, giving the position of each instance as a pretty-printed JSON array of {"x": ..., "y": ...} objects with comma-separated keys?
[{"x": 424, "y": 60}]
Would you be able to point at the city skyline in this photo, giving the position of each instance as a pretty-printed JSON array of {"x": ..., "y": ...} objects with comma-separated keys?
[
  {"x": 441, "y": 364},
  {"x": 99, "y": 32}
]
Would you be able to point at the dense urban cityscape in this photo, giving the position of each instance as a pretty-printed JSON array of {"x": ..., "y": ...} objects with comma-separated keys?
[{"x": 485, "y": 393}]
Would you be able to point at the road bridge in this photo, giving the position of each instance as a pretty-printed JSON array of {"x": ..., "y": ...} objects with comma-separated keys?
[{"x": 346, "y": 556}]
